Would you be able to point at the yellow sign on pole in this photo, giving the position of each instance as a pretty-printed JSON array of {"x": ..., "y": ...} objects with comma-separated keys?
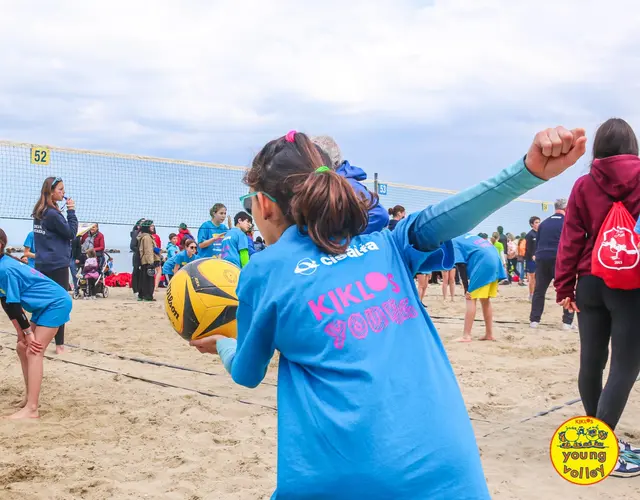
[
  {"x": 545, "y": 206},
  {"x": 40, "y": 155}
]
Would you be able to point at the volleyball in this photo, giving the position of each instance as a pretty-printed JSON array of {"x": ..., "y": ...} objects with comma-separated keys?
[{"x": 201, "y": 299}]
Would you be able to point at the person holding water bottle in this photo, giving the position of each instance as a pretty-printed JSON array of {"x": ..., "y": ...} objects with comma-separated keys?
[{"x": 53, "y": 234}]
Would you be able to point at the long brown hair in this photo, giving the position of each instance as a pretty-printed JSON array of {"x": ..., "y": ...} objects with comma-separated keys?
[
  {"x": 45, "y": 200},
  {"x": 322, "y": 204}
]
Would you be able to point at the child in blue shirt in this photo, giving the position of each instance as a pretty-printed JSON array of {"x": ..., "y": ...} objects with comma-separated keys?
[
  {"x": 485, "y": 270},
  {"x": 181, "y": 259},
  {"x": 235, "y": 245},
  {"x": 172, "y": 246},
  {"x": 368, "y": 403},
  {"x": 212, "y": 232},
  {"x": 23, "y": 287}
]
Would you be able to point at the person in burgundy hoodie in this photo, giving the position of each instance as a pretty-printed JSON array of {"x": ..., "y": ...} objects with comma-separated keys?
[{"x": 603, "y": 313}]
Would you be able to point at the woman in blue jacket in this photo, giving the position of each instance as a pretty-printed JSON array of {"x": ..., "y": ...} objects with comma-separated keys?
[
  {"x": 368, "y": 403},
  {"x": 52, "y": 236}
]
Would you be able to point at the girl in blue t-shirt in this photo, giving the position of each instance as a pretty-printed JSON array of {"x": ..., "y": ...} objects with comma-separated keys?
[
  {"x": 485, "y": 270},
  {"x": 368, "y": 404},
  {"x": 212, "y": 232},
  {"x": 181, "y": 259},
  {"x": 22, "y": 287}
]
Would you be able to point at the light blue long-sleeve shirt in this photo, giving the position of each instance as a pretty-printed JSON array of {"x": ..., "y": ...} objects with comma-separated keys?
[{"x": 368, "y": 404}]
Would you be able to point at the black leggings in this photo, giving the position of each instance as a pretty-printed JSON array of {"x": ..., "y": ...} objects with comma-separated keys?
[
  {"x": 15, "y": 312},
  {"x": 61, "y": 277},
  {"x": 607, "y": 314},
  {"x": 462, "y": 272}
]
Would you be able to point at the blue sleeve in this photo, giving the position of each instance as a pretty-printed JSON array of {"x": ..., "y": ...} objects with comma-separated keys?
[
  {"x": 638, "y": 227},
  {"x": 56, "y": 223},
  {"x": 462, "y": 212},
  {"x": 28, "y": 242},
  {"x": 203, "y": 234},
  {"x": 378, "y": 219},
  {"x": 257, "y": 319},
  {"x": 12, "y": 290},
  {"x": 251, "y": 246}
]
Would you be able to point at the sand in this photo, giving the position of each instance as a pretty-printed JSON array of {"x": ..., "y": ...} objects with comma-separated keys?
[{"x": 104, "y": 435}]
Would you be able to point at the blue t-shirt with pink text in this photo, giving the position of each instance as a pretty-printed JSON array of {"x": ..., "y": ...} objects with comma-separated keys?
[
  {"x": 483, "y": 262},
  {"x": 48, "y": 303},
  {"x": 356, "y": 348}
]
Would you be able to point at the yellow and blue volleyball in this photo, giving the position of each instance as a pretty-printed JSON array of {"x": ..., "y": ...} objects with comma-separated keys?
[{"x": 201, "y": 299}]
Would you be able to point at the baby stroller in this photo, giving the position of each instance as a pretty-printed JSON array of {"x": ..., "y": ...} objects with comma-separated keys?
[{"x": 82, "y": 290}]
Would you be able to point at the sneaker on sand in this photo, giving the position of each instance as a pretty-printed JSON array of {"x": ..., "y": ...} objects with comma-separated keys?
[
  {"x": 534, "y": 324},
  {"x": 625, "y": 469},
  {"x": 628, "y": 448},
  {"x": 566, "y": 326}
]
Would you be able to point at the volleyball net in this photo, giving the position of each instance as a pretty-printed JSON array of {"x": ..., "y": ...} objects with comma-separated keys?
[{"x": 111, "y": 188}]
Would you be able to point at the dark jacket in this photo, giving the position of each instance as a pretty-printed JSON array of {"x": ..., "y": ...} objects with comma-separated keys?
[
  {"x": 52, "y": 237},
  {"x": 76, "y": 249},
  {"x": 549, "y": 232},
  {"x": 611, "y": 179},
  {"x": 505, "y": 243},
  {"x": 532, "y": 244},
  {"x": 378, "y": 216}
]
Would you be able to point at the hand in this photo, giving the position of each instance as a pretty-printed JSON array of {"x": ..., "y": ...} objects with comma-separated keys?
[
  {"x": 554, "y": 150},
  {"x": 467, "y": 296},
  {"x": 32, "y": 344},
  {"x": 207, "y": 344},
  {"x": 71, "y": 205},
  {"x": 569, "y": 305}
]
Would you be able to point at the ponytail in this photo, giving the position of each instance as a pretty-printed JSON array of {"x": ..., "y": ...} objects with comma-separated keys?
[
  {"x": 320, "y": 202},
  {"x": 328, "y": 209}
]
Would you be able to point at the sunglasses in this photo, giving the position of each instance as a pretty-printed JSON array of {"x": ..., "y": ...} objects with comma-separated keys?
[
  {"x": 247, "y": 203},
  {"x": 192, "y": 247},
  {"x": 56, "y": 181}
]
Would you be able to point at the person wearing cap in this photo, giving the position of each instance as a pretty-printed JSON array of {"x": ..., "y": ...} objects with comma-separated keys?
[
  {"x": 146, "y": 250},
  {"x": 378, "y": 216},
  {"x": 183, "y": 234}
]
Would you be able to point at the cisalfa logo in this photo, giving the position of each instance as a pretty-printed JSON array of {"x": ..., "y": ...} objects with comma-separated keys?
[
  {"x": 309, "y": 266},
  {"x": 306, "y": 267}
]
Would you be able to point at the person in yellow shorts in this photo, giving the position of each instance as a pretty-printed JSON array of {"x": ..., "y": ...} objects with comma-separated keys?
[{"x": 485, "y": 270}]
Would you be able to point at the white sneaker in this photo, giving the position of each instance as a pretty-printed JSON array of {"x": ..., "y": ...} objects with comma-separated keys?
[
  {"x": 625, "y": 468},
  {"x": 534, "y": 324},
  {"x": 566, "y": 326}
]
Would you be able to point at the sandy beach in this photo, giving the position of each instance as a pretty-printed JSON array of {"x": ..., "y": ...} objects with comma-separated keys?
[{"x": 104, "y": 435}]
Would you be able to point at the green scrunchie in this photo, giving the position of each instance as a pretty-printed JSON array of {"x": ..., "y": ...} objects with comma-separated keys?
[{"x": 321, "y": 169}]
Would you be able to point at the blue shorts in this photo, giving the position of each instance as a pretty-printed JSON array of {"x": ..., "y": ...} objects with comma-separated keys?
[
  {"x": 57, "y": 314},
  {"x": 530, "y": 267}
]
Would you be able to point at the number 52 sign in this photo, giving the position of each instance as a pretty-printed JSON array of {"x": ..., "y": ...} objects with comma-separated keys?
[{"x": 40, "y": 155}]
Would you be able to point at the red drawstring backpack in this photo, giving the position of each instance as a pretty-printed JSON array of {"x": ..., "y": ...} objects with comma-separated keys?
[{"x": 615, "y": 257}]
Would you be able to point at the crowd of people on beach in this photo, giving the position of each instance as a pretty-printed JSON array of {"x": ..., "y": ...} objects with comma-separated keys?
[{"x": 346, "y": 332}]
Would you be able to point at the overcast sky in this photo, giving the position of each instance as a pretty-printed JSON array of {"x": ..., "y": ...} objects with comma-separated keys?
[{"x": 435, "y": 93}]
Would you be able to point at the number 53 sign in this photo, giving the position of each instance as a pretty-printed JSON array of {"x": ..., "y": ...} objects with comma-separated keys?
[{"x": 40, "y": 155}]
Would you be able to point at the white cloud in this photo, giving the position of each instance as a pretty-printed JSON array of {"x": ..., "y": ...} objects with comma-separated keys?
[{"x": 133, "y": 71}]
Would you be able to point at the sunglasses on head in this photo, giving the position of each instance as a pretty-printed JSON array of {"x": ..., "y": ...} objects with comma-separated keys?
[
  {"x": 247, "y": 203},
  {"x": 56, "y": 180}
]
